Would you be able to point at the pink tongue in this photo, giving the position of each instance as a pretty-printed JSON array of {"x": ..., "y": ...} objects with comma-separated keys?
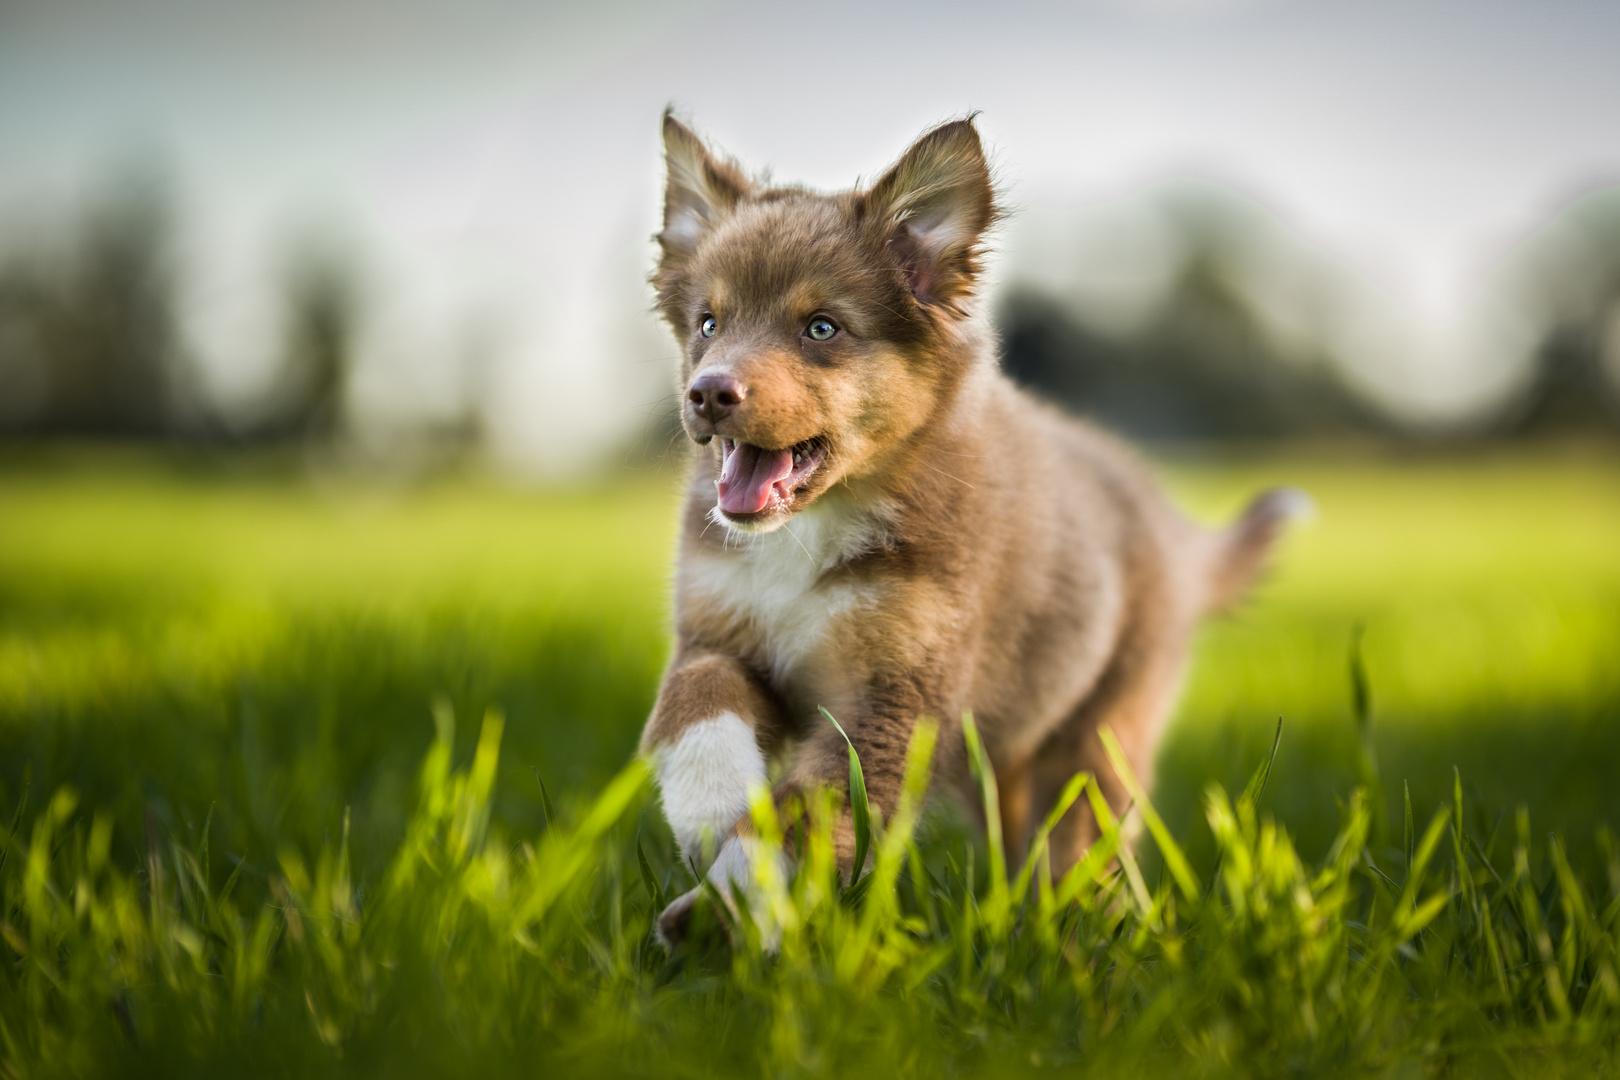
[{"x": 747, "y": 476}]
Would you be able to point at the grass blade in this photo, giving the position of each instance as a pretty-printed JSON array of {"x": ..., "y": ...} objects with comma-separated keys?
[
  {"x": 1409, "y": 832},
  {"x": 1256, "y": 786},
  {"x": 1174, "y": 860},
  {"x": 545, "y": 798},
  {"x": 858, "y": 805},
  {"x": 1465, "y": 877},
  {"x": 1361, "y": 707},
  {"x": 654, "y": 890},
  {"x": 16, "y": 817},
  {"x": 1111, "y": 844},
  {"x": 1037, "y": 849},
  {"x": 979, "y": 762},
  {"x": 1360, "y": 686}
]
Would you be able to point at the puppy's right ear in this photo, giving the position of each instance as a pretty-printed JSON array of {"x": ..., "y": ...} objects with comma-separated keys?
[{"x": 700, "y": 188}]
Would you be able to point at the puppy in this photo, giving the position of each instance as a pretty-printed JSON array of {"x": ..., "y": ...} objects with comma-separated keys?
[{"x": 880, "y": 523}]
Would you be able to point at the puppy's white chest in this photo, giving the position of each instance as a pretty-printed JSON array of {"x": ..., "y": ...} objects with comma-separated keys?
[{"x": 784, "y": 585}]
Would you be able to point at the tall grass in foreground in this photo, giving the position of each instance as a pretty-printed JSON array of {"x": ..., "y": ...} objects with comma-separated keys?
[{"x": 477, "y": 952}]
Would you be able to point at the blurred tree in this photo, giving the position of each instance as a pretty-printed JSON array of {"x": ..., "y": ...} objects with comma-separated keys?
[
  {"x": 309, "y": 400},
  {"x": 90, "y": 334},
  {"x": 1200, "y": 365},
  {"x": 1574, "y": 386},
  {"x": 24, "y": 382}
]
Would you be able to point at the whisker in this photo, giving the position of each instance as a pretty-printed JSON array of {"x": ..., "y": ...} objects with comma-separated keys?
[
  {"x": 788, "y": 525},
  {"x": 948, "y": 476}
]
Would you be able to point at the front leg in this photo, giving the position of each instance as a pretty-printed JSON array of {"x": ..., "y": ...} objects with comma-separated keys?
[
  {"x": 707, "y": 738},
  {"x": 880, "y": 727},
  {"x": 879, "y": 724}
]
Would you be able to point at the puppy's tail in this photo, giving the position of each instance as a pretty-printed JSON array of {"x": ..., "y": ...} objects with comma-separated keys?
[{"x": 1242, "y": 547}]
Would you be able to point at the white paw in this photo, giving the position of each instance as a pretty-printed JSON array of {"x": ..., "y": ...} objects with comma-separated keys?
[
  {"x": 743, "y": 867},
  {"x": 704, "y": 780}
]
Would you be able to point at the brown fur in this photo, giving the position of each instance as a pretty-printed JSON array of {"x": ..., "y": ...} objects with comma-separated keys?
[{"x": 960, "y": 547}]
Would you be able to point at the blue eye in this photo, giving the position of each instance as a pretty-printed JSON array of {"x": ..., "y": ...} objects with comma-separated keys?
[
  {"x": 821, "y": 329},
  {"x": 708, "y": 326}
]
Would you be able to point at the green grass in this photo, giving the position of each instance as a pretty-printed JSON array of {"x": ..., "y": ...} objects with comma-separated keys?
[{"x": 219, "y": 686}]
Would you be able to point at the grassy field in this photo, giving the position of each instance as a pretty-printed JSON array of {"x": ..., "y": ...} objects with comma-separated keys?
[{"x": 250, "y": 831}]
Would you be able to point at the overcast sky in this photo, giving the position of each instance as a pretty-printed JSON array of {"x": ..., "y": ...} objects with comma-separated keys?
[{"x": 497, "y": 163}]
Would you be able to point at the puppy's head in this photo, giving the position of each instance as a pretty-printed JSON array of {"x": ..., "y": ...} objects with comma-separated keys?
[{"x": 819, "y": 332}]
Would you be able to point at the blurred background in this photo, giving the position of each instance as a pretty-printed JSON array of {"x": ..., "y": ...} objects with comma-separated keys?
[
  {"x": 329, "y": 386},
  {"x": 411, "y": 229}
]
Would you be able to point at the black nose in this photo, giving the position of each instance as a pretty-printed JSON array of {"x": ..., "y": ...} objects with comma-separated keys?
[{"x": 714, "y": 394}]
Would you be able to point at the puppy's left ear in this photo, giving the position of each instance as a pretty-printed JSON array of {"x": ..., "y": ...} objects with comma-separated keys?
[
  {"x": 700, "y": 188},
  {"x": 936, "y": 203}
]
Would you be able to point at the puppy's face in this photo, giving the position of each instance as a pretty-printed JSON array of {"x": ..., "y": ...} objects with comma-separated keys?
[{"x": 814, "y": 326}]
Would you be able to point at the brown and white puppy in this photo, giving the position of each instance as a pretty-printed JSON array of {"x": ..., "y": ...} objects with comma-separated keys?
[{"x": 882, "y": 524}]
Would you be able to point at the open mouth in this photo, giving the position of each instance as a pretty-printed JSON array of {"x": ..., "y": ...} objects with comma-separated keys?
[{"x": 755, "y": 481}]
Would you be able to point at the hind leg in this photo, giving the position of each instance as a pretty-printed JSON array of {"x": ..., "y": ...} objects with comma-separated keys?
[
  {"x": 1133, "y": 698},
  {"x": 1013, "y": 797}
]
